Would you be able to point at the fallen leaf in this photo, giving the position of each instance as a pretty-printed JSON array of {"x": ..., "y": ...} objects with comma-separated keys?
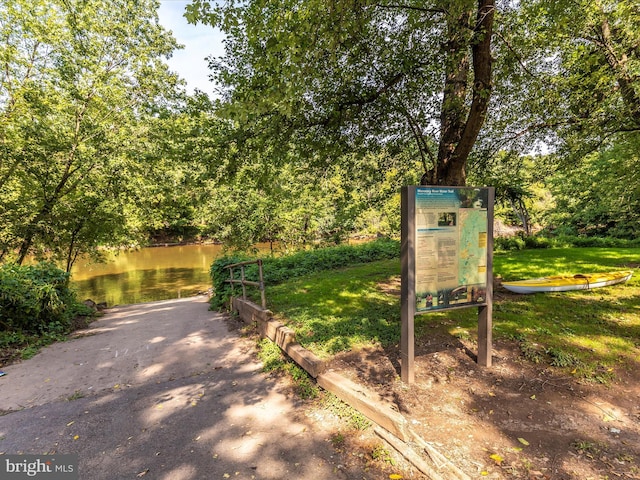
[
  {"x": 484, "y": 473},
  {"x": 532, "y": 397},
  {"x": 523, "y": 441},
  {"x": 395, "y": 476},
  {"x": 496, "y": 458},
  {"x": 76, "y": 437},
  {"x": 491, "y": 394}
]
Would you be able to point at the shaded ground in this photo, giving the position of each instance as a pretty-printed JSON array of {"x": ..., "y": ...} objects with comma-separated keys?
[
  {"x": 516, "y": 420},
  {"x": 129, "y": 408},
  {"x": 166, "y": 391}
]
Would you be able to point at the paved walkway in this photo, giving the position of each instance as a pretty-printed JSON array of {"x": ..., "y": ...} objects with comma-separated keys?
[{"x": 165, "y": 391}]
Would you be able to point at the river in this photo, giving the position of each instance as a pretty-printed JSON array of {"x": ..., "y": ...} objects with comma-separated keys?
[{"x": 147, "y": 274}]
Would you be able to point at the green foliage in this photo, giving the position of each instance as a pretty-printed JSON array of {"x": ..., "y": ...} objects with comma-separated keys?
[
  {"x": 346, "y": 412},
  {"x": 522, "y": 242},
  {"x": 379, "y": 452},
  {"x": 588, "y": 334},
  {"x": 288, "y": 202},
  {"x": 515, "y": 242},
  {"x": 222, "y": 290},
  {"x": 271, "y": 356},
  {"x": 275, "y": 361},
  {"x": 81, "y": 83},
  {"x": 601, "y": 196},
  {"x": 280, "y": 269},
  {"x": 316, "y": 79},
  {"x": 35, "y": 299}
]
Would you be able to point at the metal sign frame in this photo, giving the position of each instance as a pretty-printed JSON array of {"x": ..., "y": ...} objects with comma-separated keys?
[{"x": 410, "y": 248}]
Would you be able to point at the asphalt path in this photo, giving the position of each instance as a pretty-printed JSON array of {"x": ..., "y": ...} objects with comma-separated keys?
[{"x": 162, "y": 390}]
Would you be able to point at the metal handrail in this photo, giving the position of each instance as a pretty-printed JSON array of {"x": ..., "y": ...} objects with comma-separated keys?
[{"x": 243, "y": 281}]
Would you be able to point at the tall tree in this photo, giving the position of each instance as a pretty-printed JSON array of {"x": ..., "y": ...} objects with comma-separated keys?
[
  {"x": 79, "y": 78},
  {"x": 574, "y": 80},
  {"x": 357, "y": 75}
]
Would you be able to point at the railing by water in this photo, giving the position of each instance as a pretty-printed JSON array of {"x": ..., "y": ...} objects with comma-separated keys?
[{"x": 243, "y": 281}]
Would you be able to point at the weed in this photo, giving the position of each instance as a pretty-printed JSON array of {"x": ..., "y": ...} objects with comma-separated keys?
[
  {"x": 270, "y": 355},
  {"x": 532, "y": 351},
  {"x": 77, "y": 395},
  {"x": 625, "y": 457},
  {"x": 29, "y": 352},
  {"x": 304, "y": 386},
  {"x": 560, "y": 358},
  {"x": 345, "y": 412},
  {"x": 587, "y": 448},
  {"x": 526, "y": 464},
  {"x": 12, "y": 338},
  {"x": 380, "y": 453},
  {"x": 337, "y": 440},
  {"x": 273, "y": 360},
  {"x": 463, "y": 335}
]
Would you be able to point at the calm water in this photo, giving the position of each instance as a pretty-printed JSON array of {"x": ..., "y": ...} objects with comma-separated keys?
[{"x": 148, "y": 274}]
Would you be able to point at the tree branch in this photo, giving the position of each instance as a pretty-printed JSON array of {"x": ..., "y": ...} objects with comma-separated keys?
[
  {"x": 412, "y": 7},
  {"x": 511, "y": 49}
]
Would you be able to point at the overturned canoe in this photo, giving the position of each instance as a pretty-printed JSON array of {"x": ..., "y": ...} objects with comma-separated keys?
[{"x": 563, "y": 283}]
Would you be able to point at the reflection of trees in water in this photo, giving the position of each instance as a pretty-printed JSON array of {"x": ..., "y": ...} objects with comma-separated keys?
[{"x": 138, "y": 286}]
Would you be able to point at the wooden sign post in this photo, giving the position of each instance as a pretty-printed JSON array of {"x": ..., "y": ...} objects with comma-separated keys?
[{"x": 447, "y": 260}]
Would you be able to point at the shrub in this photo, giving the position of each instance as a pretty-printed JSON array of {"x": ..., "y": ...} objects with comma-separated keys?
[
  {"x": 36, "y": 299},
  {"x": 279, "y": 269},
  {"x": 219, "y": 275},
  {"x": 508, "y": 243}
]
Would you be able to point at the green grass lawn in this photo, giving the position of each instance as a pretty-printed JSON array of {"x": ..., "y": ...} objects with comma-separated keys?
[{"x": 591, "y": 334}]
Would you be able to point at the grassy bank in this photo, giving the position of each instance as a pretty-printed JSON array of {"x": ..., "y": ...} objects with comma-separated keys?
[{"x": 591, "y": 334}]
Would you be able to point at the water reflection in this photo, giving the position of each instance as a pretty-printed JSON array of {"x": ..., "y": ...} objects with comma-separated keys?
[{"x": 148, "y": 274}]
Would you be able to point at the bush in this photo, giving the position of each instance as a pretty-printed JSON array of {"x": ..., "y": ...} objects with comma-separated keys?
[
  {"x": 279, "y": 269},
  {"x": 219, "y": 275},
  {"x": 508, "y": 244},
  {"x": 36, "y": 299}
]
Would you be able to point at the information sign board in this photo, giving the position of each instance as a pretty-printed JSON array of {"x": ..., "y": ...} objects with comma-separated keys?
[
  {"x": 447, "y": 260},
  {"x": 451, "y": 228}
]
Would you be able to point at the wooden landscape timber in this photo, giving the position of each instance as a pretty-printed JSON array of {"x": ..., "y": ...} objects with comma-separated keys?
[{"x": 392, "y": 427}]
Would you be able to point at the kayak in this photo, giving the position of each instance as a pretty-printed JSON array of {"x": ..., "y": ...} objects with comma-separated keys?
[{"x": 563, "y": 283}]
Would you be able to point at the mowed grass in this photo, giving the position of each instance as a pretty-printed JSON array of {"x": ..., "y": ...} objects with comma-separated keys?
[{"x": 592, "y": 334}]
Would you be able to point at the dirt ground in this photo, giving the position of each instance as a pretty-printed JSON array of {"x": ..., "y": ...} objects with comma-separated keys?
[{"x": 515, "y": 420}]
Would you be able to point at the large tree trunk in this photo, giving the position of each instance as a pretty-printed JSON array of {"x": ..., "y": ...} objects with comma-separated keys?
[{"x": 460, "y": 124}]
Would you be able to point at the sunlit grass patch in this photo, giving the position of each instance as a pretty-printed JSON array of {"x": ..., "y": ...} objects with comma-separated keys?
[{"x": 590, "y": 334}]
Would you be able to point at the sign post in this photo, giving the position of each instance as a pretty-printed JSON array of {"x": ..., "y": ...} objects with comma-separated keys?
[{"x": 447, "y": 260}]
